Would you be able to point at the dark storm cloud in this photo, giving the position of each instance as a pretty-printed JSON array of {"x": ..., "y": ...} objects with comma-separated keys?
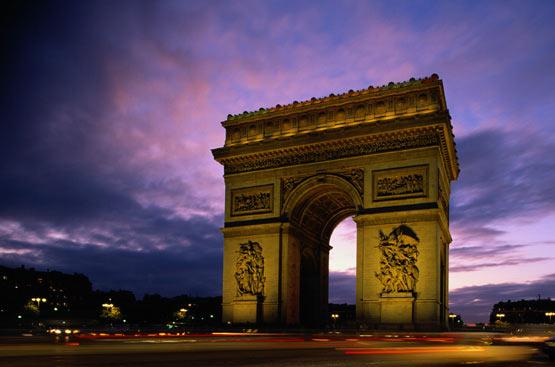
[
  {"x": 342, "y": 287},
  {"x": 494, "y": 264},
  {"x": 506, "y": 174},
  {"x": 470, "y": 258},
  {"x": 171, "y": 271},
  {"x": 52, "y": 143},
  {"x": 479, "y": 252},
  {"x": 72, "y": 198},
  {"x": 475, "y": 302},
  {"x": 110, "y": 108}
]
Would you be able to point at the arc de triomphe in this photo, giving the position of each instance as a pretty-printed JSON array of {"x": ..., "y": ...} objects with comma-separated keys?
[{"x": 384, "y": 155}]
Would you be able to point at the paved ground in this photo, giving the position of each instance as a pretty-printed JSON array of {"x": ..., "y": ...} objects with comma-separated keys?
[{"x": 438, "y": 349}]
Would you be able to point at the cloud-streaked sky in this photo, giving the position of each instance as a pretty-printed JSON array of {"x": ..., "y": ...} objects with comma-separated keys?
[{"x": 109, "y": 111}]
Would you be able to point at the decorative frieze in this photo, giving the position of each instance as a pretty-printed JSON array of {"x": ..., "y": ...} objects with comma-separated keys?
[
  {"x": 249, "y": 269},
  {"x": 403, "y": 183},
  {"x": 252, "y": 200},
  {"x": 326, "y": 152},
  {"x": 399, "y": 253}
]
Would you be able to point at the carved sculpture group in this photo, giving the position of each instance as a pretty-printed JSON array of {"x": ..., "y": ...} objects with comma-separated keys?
[
  {"x": 251, "y": 202},
  {"x": 249, "y": 270},
  {"x": 399, "y": 253}
]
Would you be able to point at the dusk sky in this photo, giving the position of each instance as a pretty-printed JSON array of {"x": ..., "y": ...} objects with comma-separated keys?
[{"x": 110, "y": 109}]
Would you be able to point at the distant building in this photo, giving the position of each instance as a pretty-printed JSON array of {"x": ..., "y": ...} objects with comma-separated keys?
[
  {"x": 31, "y": 297},
  {"x": 537, "y": 311},
  {"x": 27, "y": 292}
]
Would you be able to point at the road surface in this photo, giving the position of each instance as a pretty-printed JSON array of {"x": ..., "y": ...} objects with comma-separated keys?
[{"x": 253, "y": 350}]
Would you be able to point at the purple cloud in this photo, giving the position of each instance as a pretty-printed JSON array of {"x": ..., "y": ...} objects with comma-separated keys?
[
  {"x": 111, "y": 109},
  {"x": 474, "y": 303}
]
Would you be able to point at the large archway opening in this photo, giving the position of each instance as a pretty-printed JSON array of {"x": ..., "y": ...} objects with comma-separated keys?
[
  {"x": 315, "y": 209},
  {"x": 342, "y": 273}
]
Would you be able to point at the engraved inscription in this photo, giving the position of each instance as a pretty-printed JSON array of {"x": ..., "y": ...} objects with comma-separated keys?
[
  {"x": 399, "y": 253},
  {"x": 249, "y": 269},
  {"x": 400, "y": 183},
  {"x": 252, "y": 200}
]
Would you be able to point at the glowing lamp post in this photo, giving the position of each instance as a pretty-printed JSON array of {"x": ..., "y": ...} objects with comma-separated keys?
[
  {"x": 334, "y": 317},
  {"x": 550, "y": 315},
  {"x": 31, "y": 307},
  {"x": 38, "y": 300},
  {"x": 181, "y": 314},
  {"x": 452, "y": 318},
  {"x": 110, "y": 312}
]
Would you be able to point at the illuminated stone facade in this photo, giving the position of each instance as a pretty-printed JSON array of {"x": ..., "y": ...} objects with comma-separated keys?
[{"x": 385, "y": 156}]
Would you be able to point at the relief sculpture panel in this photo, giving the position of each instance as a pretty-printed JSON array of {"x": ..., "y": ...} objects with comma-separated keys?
[
  {"x": 252, "y": 200},
  {"x": 249, "y": 270},
  {"x": 399, "y": 253},
  {"x": 401, "y": 183}
]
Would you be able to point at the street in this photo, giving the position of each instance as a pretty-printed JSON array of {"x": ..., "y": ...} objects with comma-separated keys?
[{"x": 238, "y": 349}]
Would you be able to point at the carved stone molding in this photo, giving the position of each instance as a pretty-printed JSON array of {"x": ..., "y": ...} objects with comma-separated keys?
[
  {"x": 288, "y": 184},
  {"x": 399, "y": 253},
  {"x": 400, "y": 183},
  {"x": 249, "y": 270},
  {"x": 444, "y": 200},
  {"x": 252, "y": 200},
  {"x": 326, "y": 151},
  {"x": 355, "y": 176}
]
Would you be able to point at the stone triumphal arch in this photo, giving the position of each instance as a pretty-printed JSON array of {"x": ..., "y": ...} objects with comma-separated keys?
[{"x": 385, "y": 156}]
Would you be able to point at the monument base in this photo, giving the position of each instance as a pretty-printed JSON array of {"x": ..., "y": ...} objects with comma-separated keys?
[
  {"x": 245, "y": 309},
  {"x": 397, "y": 310}
]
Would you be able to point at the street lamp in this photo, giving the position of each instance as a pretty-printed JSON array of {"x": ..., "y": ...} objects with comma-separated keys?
[
  {"x": 38, "y": 300},
  {"x": 452, "y": 318},
  {"x": 550, "y": 315},
  {"x": 334, "y": 317},
  {"x": 181, "y": 314}
]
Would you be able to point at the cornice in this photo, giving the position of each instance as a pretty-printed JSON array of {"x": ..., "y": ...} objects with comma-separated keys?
[
  {"x": 334, "y": 149},
  {"x": 332, "y": 100},
  {"x": 335, "y": 137},
  {"x": 338, "y": 133}
]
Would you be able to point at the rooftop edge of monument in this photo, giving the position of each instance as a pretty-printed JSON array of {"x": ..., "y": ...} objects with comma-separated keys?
[{"x": 371, "y": 90}]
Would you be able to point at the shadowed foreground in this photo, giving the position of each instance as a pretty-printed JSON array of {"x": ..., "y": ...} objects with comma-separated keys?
[{"x": 443, "y": 349}]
